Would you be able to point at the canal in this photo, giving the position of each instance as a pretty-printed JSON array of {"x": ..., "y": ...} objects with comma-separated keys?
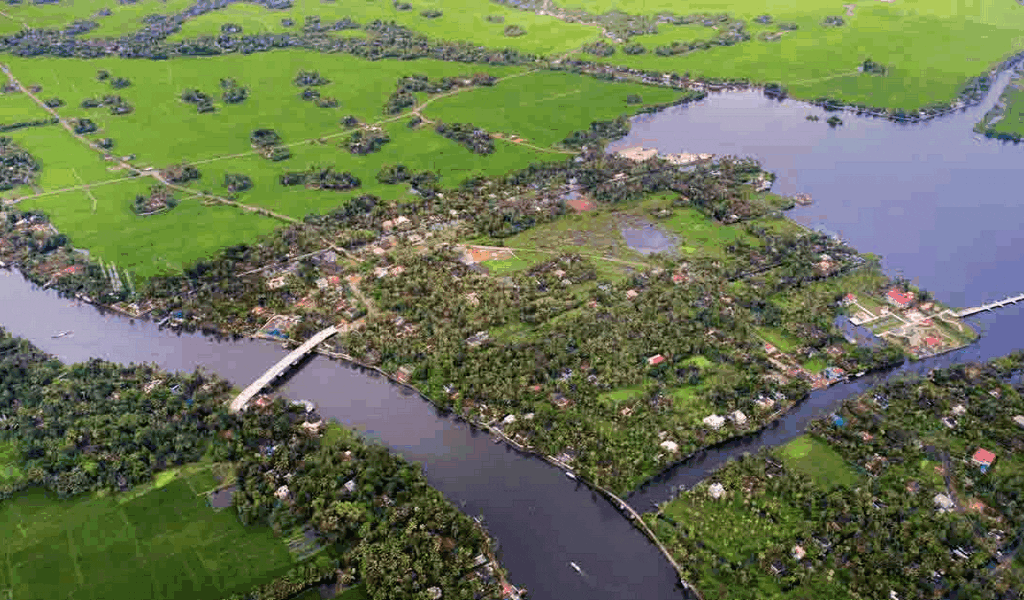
[{"x": 938, "y": 204}]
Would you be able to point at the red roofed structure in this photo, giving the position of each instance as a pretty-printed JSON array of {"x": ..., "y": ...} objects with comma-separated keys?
[
  {"x": 898, "y": 298},
  {"x": 932, "y": 342},
  {"x": 983, "y": 458},
  {"x": 657, "y": 359}
]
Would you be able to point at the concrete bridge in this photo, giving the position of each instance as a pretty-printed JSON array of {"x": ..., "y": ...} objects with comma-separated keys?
[
  {"x": 280, "y": 368},
  {"x": 993, "y": 305}
]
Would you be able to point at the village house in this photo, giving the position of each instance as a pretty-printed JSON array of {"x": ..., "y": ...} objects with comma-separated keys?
[
  {"x": 899, "y": 299},
  {"x": 283, "y": 493},
  {"x": 848, "y": 300},
  {"x": 404, "y": 373},
  {"x": 630, "y": 294},
  {"x": 770, "y": 349},
  {"x": 1019, "y": 420},
  {"x": 350, "y": 486},
  {"x": 714, "y": 421},
  {"x": 716, "y": 491},
  {"x": 655, "y": 360},
  {"x": 477, "y": 339},
  {"x": 798, "y": 553},
  {"x": 560, "y": 400},
  {"x": 670, "y": 446},
  {"x": 739, "y": 418},
  {"x": 678, "y": 278},
  {"x": 983, "y": 459}
]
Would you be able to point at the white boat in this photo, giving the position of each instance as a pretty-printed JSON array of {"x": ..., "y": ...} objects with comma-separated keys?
[
  {"x": 62, "y": 334},
  {"x": 576, "y": 566},
  {"x": 570, "y": 475}
]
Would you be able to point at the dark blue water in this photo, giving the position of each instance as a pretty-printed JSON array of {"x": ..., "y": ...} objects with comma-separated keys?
[{"x": 941, "y": 205}]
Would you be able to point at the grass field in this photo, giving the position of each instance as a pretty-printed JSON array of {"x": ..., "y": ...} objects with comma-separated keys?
[
  {"x": 147, "y": 245},
  {"x": 819, "y": 462},
  {"x": 165, "y": 543},
  {"x": 544, "y": 107}
]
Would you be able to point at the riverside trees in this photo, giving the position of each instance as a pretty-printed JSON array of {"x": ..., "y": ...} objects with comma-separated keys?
[{"x": 101, "y": 426}]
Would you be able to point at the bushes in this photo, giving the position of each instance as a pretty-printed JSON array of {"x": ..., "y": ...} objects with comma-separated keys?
[
  {"x": 634, "y": 99},
  {"x": 202, "y": 102},
  {"x": 870, "y": 66},
  {"x": 160, "y": 198},
  {"x": 366, "y": 141},
  {"x": 431, "y": 13},
  {"x": 599, "y": 132},
  {"x": 119, "y": 83},
  {"x": 476, "y": 140},
  {"x": 236, "y": 182},
  {"x": 235, "y": 95},
  {"x": 495, "y": 19},
  {"x": 263, "y": 138},
  {"x": 23, "y": 124},
  {"x": 84, "y": 126},
  {"x": 514, "y": 31},
  {"x": 17, "y": 167},
  {"x": 634, "y": 49},
  {"x": 600, "y": 48},
  {"x": 181, "y": 173},
  {"x": 309, "y": 78},
  {"x": 54, "y": 103},
  {"x": 833, "y": 21},
  {"x": 321, "y": 178},
  {"x": 230, "y": 28}
]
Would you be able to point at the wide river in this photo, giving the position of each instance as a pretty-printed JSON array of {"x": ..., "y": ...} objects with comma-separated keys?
[{"x": 939, "y": 206}]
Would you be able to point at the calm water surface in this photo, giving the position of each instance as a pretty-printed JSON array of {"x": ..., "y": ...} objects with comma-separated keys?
[{"x": 936, "y": 203}]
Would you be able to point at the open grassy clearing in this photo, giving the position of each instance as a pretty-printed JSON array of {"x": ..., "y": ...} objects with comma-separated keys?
[
  {"x": 544, "y": 107},
  {"x": 153, "y": 244},
  {"x": 461, "y": 20},
  {"x": 166, "y": 543},
  {"x": 420, "y": 149},
  {"x": 778, "y": 338},
  {"x": 163, "y": 129},
  {"x": 818, "y": 461},
  {"x": 126, "y": 18},
  {"x": 16, "y": 107},
  {"x": 930, "y": 49}
]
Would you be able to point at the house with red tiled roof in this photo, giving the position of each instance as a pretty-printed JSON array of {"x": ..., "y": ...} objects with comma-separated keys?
[
  {"x": 983, "y": 458},
  {"x": 898, "y": 298},
  {"x": 657, "y": 359},
  {"x": 932, "y": 342}
]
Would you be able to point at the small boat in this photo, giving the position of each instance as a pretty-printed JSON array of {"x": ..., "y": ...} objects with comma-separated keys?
[
  {"x": 496, "y": 440},
  {"x": 576, "y": 566},
  {"x": 570, "y": 475},
  {"x": 61, "y": 334}
]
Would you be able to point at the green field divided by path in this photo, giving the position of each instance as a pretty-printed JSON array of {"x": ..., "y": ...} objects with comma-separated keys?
[{"x": 165, "y": 543}]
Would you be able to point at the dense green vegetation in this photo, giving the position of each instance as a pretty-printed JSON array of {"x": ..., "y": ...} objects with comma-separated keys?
[
  {"x": 107, "y": 465},
  {"x": 885, "y": 498}
]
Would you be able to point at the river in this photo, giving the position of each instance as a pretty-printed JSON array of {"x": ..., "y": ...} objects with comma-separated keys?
[{"x": 936, "y": 203}]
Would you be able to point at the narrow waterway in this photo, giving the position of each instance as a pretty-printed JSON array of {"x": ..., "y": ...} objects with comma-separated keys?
[
  {"x": 542, "y": 520},
  {"x": 934, "y": 201}
]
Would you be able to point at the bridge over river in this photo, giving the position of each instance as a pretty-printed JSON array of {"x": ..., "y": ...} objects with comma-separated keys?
[{"x": 280, "y": 368}]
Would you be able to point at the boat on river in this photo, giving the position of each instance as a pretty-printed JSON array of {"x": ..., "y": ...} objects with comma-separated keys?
[
  {"x": 61, "y": 334},
  {"x": 570, "y": 475},
  {"x": 577, "y": 567}
]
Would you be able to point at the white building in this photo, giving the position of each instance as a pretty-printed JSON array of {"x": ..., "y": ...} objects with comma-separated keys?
[
  {"x": 714, "y": 421},
  {"x": 716, "y": 491},
  {"x": 739, "y": 418},
  {"x": 670, "y": 446}
]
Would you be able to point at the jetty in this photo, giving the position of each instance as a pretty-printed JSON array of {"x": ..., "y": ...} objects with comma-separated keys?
[
  {"x": 990, "y": 306},
  {"x": 282, "y": 367}
]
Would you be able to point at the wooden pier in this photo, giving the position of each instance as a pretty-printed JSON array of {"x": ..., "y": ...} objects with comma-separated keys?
[
  {"x": 280, "y": 368},
  {"x": 991, "y": 306}
]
